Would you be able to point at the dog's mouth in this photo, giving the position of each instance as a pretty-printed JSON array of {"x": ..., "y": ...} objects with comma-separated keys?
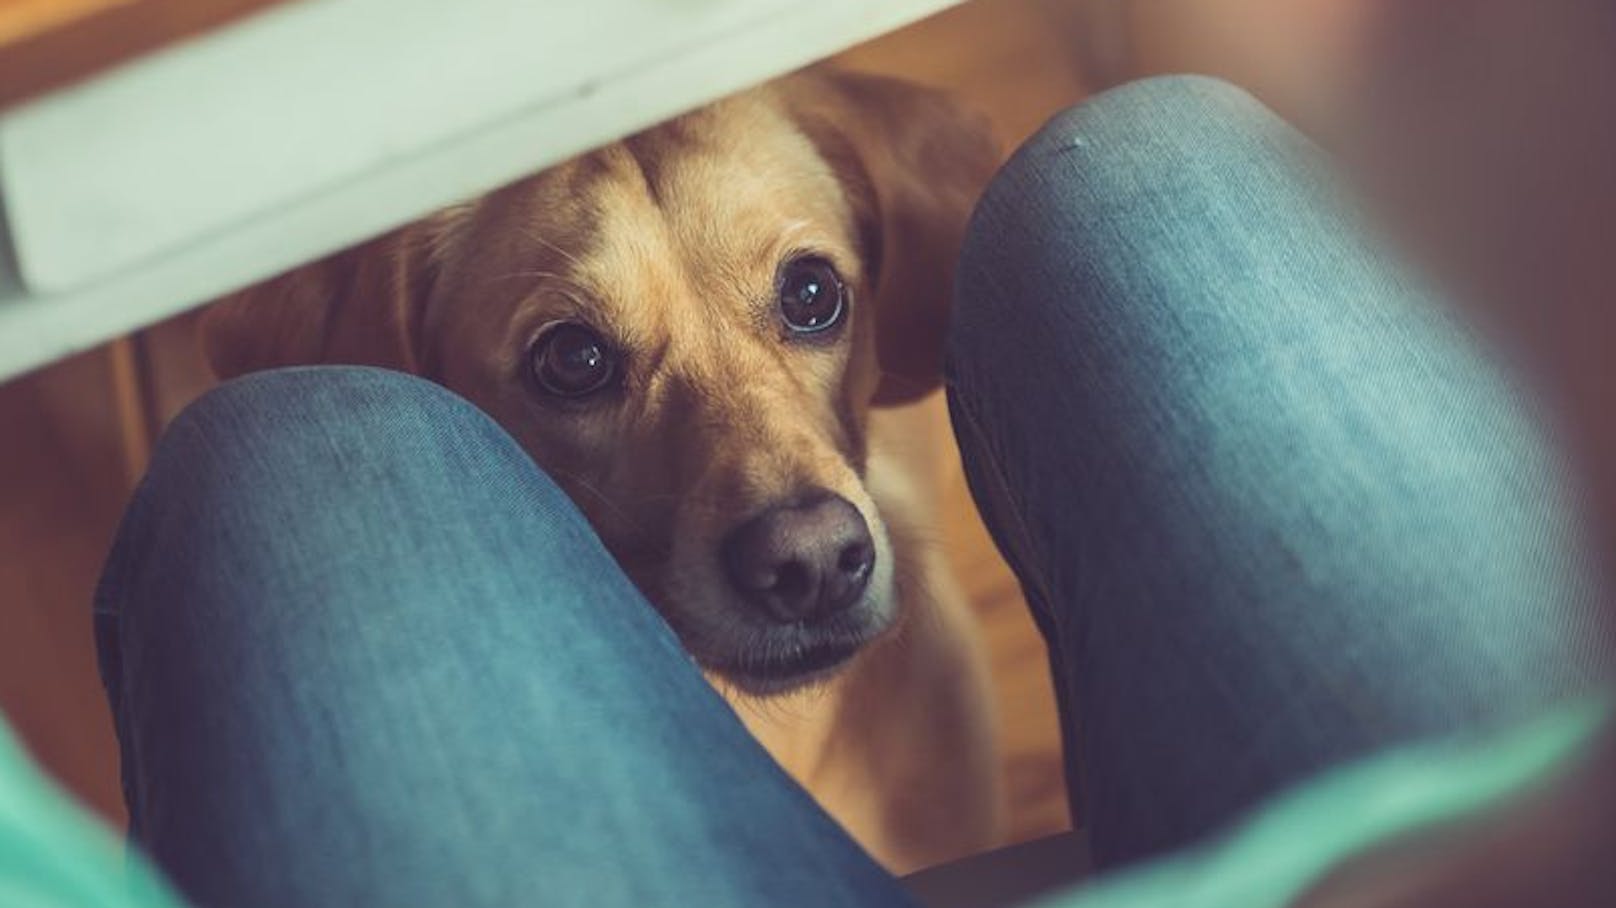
[
  {"x": 801, "y": 666},
  {"x": 794, "y": 658}
]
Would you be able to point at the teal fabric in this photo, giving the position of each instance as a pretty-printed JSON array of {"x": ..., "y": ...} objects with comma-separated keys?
[
  {"x": 53, "y": 855},
  {"x": 1290, "y": 845}
]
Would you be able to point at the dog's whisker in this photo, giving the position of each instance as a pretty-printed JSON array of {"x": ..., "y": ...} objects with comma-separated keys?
[{"x": 623, "y": 514}]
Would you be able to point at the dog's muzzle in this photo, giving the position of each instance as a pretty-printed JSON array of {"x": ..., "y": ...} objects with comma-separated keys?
[{"x": 804, "y": 566}]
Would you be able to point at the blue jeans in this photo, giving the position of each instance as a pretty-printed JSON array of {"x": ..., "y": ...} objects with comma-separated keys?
[{"x": 1271, "y": 512}]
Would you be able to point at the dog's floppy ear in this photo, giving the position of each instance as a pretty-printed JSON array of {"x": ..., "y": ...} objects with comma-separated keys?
[
  {"x": 914, "y": 163},
  {"x": 361, "y": 306}
]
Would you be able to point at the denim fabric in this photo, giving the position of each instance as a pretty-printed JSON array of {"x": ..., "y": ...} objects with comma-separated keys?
[
  {"x": 360, "y": 651},
  {"x": 1273, "y": 509}
]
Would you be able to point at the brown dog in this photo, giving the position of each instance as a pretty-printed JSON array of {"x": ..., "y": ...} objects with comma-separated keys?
[{"x": 688, "y": 330}]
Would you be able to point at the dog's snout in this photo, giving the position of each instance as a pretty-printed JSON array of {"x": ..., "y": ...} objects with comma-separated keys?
[{"x": 803, "y": 560}]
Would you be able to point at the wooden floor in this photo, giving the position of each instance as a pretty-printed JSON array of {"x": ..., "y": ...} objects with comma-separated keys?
[{"x": 62, "y": 482}]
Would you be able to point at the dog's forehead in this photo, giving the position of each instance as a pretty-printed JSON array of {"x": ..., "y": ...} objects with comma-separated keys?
[
  {"x": 729, "y": 157},
  {"x": 712, "y": 198}
]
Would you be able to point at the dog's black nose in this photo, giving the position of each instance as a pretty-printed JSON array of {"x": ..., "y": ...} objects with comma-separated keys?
[{"x": 803, "y": 560}]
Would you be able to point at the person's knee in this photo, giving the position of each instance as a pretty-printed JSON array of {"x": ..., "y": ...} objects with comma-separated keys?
[
  {"x": 262, "y": 416},
  {"x": 277, "y": 431},
  {"x": 1109, "y": 147},
  {"x": 364, "y": 464},
  {"x": 1147, "y": 125},
  {"x": 1140, "y": 241},
  {"x": 1078, "y": 211}
]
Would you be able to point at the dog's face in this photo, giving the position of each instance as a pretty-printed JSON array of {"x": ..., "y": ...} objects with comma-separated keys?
[
  {"x": 687, "y": 330},
  {"x": 674, "y": 327}
]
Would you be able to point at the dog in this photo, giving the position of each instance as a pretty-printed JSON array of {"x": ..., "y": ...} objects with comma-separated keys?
[{"x": 701, "y": 333}]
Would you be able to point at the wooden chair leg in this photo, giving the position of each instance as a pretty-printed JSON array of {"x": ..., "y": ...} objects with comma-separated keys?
[{"x": 134, "y": 401}]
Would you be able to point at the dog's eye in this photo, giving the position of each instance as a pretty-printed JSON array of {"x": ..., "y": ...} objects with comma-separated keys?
[
  {"x": 571, "y": 360},
  {"x": 811, "y": 295}
]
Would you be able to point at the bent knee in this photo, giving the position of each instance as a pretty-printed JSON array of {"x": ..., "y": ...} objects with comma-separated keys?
[
  {"x": 1121, "y": 141},
  {"x": 330, "y": 483},
  {"x": 293, "y": 405},
  {"x": 1111, "y": 211},
  {"x": 335, "y": 446}
]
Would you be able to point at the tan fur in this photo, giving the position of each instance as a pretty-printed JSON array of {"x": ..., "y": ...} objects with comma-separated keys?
[{"x": 670, "y": 242}]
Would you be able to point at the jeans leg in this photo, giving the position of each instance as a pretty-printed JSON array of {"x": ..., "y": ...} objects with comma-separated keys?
[
  {"x": 1271, "y": 508},
  {"x": 360, "y": 651}
]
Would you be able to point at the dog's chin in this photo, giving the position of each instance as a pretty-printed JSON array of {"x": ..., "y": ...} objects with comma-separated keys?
[{"x": 790, "y": 658}]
